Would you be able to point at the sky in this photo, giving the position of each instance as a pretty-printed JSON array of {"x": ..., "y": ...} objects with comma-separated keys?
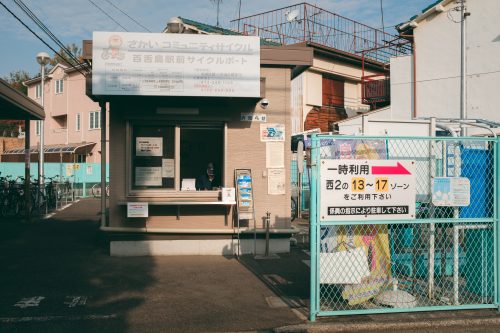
[{"x": 72, "y": 21}]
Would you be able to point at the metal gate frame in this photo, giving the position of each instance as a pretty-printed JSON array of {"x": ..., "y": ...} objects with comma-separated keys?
[{"x": 315, "y": 226}]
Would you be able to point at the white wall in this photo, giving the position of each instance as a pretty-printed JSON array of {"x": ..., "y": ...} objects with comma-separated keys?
[
  {"x": 354, "y": 125},
  {"x": 438, "y": 62},
  {"x": 402, "y": 87},
  {"x": 297, "y": 102}
]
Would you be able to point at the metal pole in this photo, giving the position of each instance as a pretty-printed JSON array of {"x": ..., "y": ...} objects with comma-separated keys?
[
  {"x": 103, "y": 163},
  {"x": 463, "y": 109},
  {"x": 27, "y": 162},
  {"x": 313, "y": 230},
  {"x": 432, "y": 226},
  {"x": 496, "y": 211},
  {"x": 42, "y": 136},
  {"x": 268, "y": 218}
]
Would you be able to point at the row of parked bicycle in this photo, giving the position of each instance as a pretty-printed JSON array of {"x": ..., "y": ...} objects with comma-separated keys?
[{"x": 54, "y": 193}]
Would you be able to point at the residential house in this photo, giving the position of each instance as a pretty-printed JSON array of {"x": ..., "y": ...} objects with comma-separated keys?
[
  {"x": 72, "y": 123},
  {"x": 350, "y": 72},
  {"x": 435, "y": 65}
]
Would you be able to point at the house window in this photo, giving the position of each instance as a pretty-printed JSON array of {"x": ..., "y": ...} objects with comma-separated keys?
[
  {"x": 158, "y": 149},
  {"x": 59, "y": 86},
  {"x": 95, "y": 120},
  {"x": 333, "y": 92},
  {"x": 38, "y": 91},
  {"x": 38, "y": 127},
  {"x": 78, "y": 122}
]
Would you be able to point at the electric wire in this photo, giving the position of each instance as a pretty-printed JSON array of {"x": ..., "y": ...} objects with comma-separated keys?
[
  {"x": 112, "y": 4},
  {"x": 42, "y": 26},
  {"x": 34, "y": 33},
  {"x": 109, "y": 16},
  {"x": 49, "y": 33}
]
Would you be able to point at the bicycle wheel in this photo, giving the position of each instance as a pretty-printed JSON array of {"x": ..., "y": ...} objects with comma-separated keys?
[
  {"x": 96, "y": 190},
  {"x": 293, "y": 209}
]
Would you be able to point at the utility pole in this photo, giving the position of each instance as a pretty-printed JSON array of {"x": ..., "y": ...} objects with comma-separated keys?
[{"x": 463, "y": 107}]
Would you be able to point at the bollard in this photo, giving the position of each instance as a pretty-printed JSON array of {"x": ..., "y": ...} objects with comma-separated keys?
[
  {"x": 268, "y": 218},
  {"x": 266, "y": 251}
]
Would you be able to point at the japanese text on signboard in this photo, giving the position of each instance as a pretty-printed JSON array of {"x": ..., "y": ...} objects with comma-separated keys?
[{"x": 373, "y": 189}]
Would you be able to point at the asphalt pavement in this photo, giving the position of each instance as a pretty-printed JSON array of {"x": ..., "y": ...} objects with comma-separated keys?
[{"x": 57, "y": 276}]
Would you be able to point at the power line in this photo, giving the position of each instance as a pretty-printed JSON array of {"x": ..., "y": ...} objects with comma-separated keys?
[
  {"x": 49, "y": 33},
  {"x": 109, "y": 16},
  {"x": 34, "y": 33},
  {"x": 112, "y": 4},
  {"x": 445, "y": 78}
]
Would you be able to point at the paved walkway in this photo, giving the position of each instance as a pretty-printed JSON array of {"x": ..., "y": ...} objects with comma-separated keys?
[{"x": 57, "y": 276}]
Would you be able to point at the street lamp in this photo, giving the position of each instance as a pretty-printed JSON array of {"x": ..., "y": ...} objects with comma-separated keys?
[{"x": 43, "y": 59}]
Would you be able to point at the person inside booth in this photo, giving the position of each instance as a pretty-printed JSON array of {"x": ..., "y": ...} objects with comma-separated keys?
[{"x": 207, "y": 180}]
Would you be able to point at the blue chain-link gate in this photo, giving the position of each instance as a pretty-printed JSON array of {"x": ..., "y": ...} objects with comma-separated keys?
[{"x": 403, "y": 224}]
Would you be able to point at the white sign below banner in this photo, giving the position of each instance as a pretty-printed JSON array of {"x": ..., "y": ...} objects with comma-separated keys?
[
  {"x": 356, "y": 190},
  {"x": 137, "y": 209},
  {"x": 159, "y": 64}
]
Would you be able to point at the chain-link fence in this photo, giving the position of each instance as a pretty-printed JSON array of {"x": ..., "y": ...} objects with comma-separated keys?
[{"x": 403, "y": 224}]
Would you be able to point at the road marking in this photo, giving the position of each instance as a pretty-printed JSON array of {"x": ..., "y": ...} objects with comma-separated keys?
[
  {"x": 72, "y": 301},
  {"x": 7, "y": 320},
  {"x": 28, "y": 302},
  {"x": 307, "y": 252},
  {"x": 307, "y": 262}
]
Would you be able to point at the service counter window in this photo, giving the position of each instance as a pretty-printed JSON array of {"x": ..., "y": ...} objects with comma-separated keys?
[
  {"x": 173, "y": 158},
  {"x": 153, "y": 157}
]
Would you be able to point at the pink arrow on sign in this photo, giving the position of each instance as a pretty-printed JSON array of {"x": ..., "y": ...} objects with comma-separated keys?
[{"x": 390, "y": 170}]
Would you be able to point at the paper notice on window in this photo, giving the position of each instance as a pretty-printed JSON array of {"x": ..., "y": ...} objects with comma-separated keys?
[
  {"x": 168, "y": 168},
  {"x": 275, "y": 154},
  {"x": 149, "y": 146},
  {"x": 275, "y": 181},
  {"x": 148, "y": 176}
]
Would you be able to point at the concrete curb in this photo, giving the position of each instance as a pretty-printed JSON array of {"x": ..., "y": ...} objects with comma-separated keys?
[{"x": 376, "y": 326}]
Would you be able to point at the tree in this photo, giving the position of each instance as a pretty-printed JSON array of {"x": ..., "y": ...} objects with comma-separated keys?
[
  {"x": 66, "y": 59},
  {"x": 16, "y": 79}
]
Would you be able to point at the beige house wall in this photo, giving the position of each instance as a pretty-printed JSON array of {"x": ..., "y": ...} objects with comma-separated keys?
[
  {"x": 64, "y": 107},
  {"x": 313, "y": 86}
]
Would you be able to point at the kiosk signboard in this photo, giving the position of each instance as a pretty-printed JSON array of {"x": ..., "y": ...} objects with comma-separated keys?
[{"x": 159, "y": 64}]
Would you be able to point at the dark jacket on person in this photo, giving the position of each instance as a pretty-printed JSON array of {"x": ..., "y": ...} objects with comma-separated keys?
[{"x": 204, "y": 183}]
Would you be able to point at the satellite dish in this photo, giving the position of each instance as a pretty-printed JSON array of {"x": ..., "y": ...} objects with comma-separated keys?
[{"x": 292, "y": 15}]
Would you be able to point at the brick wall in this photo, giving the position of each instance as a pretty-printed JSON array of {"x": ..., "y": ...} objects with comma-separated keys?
[
  {"x": 322, "y": 118},
  {"x": 10, "y": 143}
]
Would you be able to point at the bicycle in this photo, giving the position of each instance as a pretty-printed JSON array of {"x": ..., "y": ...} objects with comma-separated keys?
[{"x": 96, "y": 190}]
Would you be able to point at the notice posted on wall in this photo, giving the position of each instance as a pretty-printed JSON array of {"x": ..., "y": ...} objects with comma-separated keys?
[
  {"x": 275, "y": 154},
  {"x": 272, "y": 132},
  {"x": 168, "y": 168},
  {"x": 148, "y": 176},
  {"x": 276, "y": 181},
  {"x": 149, "y": 146},
  {"x": 451, "y": 191}
]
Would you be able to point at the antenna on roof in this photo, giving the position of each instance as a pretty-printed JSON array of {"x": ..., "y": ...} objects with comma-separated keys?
[{"x": 217, "y": 2}]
